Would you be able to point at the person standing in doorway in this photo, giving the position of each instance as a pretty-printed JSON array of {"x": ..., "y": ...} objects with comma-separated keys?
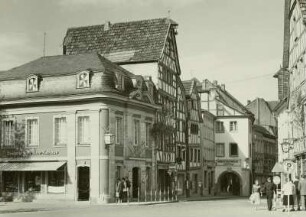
[
  {"x": 128, "y": 186},
  {"x": 302, "y": 189},
  {"x": 270, "y": 189},
  {"x": 124, "y": 190},
  {"x": 297, "y": 193}
]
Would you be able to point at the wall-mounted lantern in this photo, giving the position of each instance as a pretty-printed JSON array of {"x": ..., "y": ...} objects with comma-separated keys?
[{"x": 109, "y": 139}]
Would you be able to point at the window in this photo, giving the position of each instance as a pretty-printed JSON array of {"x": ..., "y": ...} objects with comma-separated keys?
[
  {"x": 233, "y": 126},
  {"x": 136, "y": 132},
  {"x": 83, "y": 79},
  {"x": 219, "y": 127},
  {"x": 119, "y": 130},
  {"x": 32, "y": 83},
  {"x": 83, "y": 130},
  {"x": 194, "y": 128},
  {"x": 32, "y": 132},
  {"x": 8, "y": 133},
  {"x": 148, "y": 128},
  {"x": 220, "y": 152},
  {"x": 220, "y": 109},
  {"x": 33, "y": 181},
  {"x": 56, "y": 178},
  {"x": 60, "y": 131},
  {"x": 233, "y": 149}
]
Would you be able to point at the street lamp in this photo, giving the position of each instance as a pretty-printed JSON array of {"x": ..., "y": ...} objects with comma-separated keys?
[{"x": 109, "y": 139}]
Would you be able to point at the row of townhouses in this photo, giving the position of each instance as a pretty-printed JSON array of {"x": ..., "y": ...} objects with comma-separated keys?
[
  {"x": 292, "y": 93},
  {"x": 114, "y": 106}
]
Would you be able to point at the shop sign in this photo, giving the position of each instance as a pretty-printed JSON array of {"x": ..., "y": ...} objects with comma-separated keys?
[
  {"x": 29, "y": 153},
  {"x": 228, "y": 162}
]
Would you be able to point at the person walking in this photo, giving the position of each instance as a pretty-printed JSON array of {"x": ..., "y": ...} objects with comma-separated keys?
[
  {"x": 256, "y": 194},
  {"x": 128, "y": 186},
  {"x": 124, "y": 190},
  {"x": 288, "y": 191},
  {"x": 302, "y": 189},
  {"x": 297, "y": 193},
  {"x": 270, "y": 189}
]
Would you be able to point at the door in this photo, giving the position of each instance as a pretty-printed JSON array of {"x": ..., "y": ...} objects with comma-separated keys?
[{"x": 83, "y": 183}]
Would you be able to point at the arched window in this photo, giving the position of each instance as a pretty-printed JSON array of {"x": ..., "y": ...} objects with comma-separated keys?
[
  {"x": 83, "y": 79},
  {"x": 32, "y": 83}
]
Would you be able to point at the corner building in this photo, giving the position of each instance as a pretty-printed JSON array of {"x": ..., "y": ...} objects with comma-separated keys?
[{"x": 56, "y": 114}]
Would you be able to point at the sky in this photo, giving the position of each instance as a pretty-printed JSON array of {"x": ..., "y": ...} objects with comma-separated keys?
[{"x": 236, "y": 42}]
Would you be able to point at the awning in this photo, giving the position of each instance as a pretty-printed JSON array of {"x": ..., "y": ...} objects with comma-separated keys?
[
  {"x": 31, "y": 166},
  {"x": 278, "y": 168}
]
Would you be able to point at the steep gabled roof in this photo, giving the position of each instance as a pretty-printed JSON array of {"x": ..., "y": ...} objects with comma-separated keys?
[
  {"x": 272, "y": 104},
  {"x": 136, "y": 41}
]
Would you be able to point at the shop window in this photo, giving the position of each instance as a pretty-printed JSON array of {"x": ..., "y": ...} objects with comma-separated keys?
[
  {"x": 8, "y": 133},
  {"x": 83, "y": 130},
  {"x": 233, "y": 149},
  {"x": 32, "y": 132},
  {"x": 60, "y": 131},
  {"x": 10, "y": 181},
  {"x": 56, "y": 181},
  {"x": 32, "y": 181}
]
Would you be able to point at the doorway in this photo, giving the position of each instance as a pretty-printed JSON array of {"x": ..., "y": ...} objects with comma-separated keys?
[
  {"x": 229, "y": 183},
  {"x": 83, "y": 183},
  {"x": 136, "y": 182}
]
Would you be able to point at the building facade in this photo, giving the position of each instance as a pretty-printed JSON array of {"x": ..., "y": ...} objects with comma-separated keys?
[
  {"x": 264, "y": 142},
  {"x": 291, "y": 111},
  {"x": 208, "y": 152},
  {"x": 57, "y": 115},
  {"x": 147, "y": 48},
  {"x": 233, "y": 138}
]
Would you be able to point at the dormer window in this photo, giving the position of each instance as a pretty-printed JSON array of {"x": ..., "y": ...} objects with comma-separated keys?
[
  {"x": 119, "y": 81},
  {"x": 83, "y": 80},
  {"x": 32, "y": 83}
]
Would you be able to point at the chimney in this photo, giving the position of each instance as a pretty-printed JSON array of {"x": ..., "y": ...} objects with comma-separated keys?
[
  {"x": 215, "y": 82},
  {"x": 107, "y": 25},
  {"x": 223, "y": 87}
]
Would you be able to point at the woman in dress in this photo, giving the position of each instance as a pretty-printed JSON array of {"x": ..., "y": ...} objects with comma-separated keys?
[{"x": 256, "y": 194}]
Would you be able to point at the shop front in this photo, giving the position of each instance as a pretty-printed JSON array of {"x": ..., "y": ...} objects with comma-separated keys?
[{"x": 39, "y": 178}]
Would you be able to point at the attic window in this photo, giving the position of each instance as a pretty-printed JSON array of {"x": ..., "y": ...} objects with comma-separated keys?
[
  {"x": 32, "y": 83},
  {"x": 119, "y": 81},
  {"x": 83, "y": 79}
]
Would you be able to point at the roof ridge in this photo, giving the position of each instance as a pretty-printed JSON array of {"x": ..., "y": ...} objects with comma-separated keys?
[{"x": 122, "y": 22}]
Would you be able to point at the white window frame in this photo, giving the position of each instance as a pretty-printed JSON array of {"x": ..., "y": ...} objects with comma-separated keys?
[
  {"x": 86, "y": 143},
  {"x": 119, "y": 141},
  {"x": 54, "y": 134},
  {"x": 26, "y": 132},
  {"x": 223, "y": 144},
  {"x": 35, "y": 77},
  {"x": 13, "y": 136},
  {"x": 233, "y": 125},
  {"x": 136, "y": 137},
  {"x": 78, "y": 82}
]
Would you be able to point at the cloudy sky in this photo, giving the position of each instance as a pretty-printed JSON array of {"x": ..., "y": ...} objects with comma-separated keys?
[{"x": 237, "y": 42}]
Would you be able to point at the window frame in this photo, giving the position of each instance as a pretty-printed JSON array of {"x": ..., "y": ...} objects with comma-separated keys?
[
  {"x": 79, "y": 143},
  {"x": 13, "y": 132},
  {"x": 35, "y": 77},
  {"x": 148, "y": 126},
  {"x": 54, "y": 134},
  {"x": 26, "y": 131},
  {"x": 119, "y": 141},
  {"x": 78, "y": 83},
  {"x": 230, "y": 149},
  {"x": 233, "y": 126},
  {"x": 136, "y": 137},
  {"x": 223, "y": 144},
  {"x": 217, "y": 127}
]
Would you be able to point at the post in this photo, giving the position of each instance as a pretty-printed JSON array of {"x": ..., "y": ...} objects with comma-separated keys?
[{"x": 187, "y": 151}]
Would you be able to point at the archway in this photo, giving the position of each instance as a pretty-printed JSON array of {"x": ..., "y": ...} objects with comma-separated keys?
[{"x": 229, "y": 183}]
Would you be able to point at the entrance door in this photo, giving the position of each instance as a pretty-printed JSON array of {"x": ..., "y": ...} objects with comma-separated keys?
[
  {"x": 135, "y": 183},
  {"x": 229, "y": 183},
  {"x": 83, "y": 183}
]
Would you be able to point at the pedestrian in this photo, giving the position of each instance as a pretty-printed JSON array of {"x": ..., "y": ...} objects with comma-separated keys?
[
  {"x": 124, "y": 190},
  {"x": 302, "y": 189},
  {"x": 288, "y": 191},
  {"x": 118, "y": 191},
  {"x": 128, "y": 186},
  {"x": 297, "y": 193},
  {"x": 270, "y": 189},
  {"x": 256, "y": 194}
]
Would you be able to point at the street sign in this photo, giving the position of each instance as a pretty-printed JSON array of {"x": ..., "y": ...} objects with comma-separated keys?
[
  {"x": 288, "y": 166},
  {"x": 276, "y": 180}
]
